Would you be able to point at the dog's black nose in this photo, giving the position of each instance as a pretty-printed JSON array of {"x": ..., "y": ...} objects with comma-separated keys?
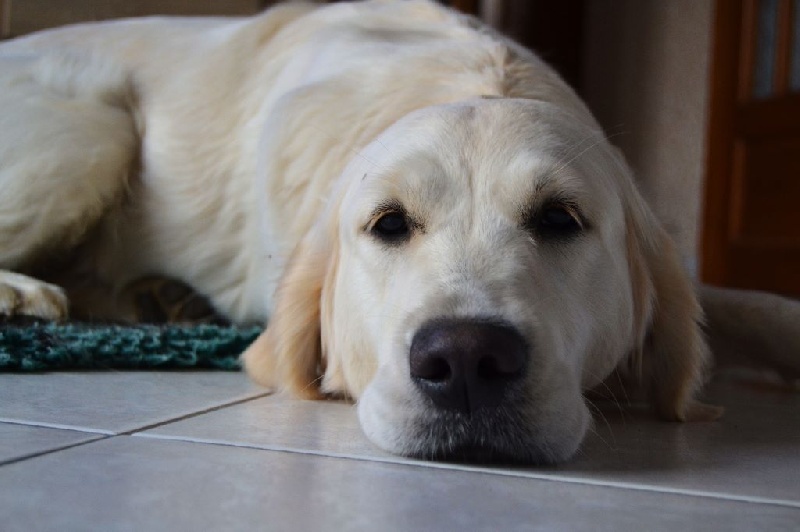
[{"x": 467, "y": 364}]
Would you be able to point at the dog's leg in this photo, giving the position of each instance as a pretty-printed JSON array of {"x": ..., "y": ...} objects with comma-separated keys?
[
  {"x": 164, "y": 300},
  {"x": 753, "y": 328},
  {"x": 67, "y": 144}
]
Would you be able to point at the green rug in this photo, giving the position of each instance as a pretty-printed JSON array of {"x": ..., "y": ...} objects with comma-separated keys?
[{"x": 32, "y": 345}]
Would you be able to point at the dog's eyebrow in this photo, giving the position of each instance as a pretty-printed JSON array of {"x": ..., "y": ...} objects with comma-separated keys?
[
  {"x": 558, "y": 186},
  {"x": 391, "y": 205},
  {"x": 546, "y": 180}
]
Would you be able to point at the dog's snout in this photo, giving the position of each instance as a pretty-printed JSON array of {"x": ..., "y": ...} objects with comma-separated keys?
[{"x": 467, "y": 364}]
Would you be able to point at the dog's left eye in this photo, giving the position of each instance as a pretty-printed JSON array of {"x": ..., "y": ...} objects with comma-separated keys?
[
  {"x": 391, "y": 226},
  {"x": 558, "y": 221}
]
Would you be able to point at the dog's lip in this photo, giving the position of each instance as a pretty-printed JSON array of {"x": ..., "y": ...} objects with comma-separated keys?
[
  {"x": 477, "y": 455},
  {"x": 494, "y": 436}
]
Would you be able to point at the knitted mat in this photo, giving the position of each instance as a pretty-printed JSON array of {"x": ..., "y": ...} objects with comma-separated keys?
[{"x": 32, "y": 345}]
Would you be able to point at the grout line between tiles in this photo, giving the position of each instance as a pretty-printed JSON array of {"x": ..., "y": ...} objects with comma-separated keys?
[
  {"x": 126, "y": 432},
  {"x": 193, "y": 414},
  {"x": 497, "y": 472},
  {"x": 102, "y": 433},
  {"x": 25, "y": 457},
  {"x": 59, "y": 426}
]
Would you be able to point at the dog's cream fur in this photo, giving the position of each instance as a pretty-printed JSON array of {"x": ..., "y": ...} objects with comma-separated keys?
[{"x": 250, "y": 158}]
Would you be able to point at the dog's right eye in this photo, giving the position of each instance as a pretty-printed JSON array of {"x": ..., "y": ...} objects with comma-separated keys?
[{"x": 391, "y": 226}]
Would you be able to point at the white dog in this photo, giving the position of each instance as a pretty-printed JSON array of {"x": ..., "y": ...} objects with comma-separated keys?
[{"x": 429, "y": 219}]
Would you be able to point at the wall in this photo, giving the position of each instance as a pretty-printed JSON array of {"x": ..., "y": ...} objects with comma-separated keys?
[
  {"x": 645, "y": 77},
  {"x": 31, "y": 15}
]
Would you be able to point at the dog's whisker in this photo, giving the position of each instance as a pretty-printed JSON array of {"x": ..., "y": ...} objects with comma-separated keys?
[
  {"x": 595, "y": 141},
  {"x": 611, "y": 397},
  {"x": 605, "y": 421},
  {"x": 622, "y": 386},
  {"x": 382, "y": 145},
  {"x": 314, "y": 383},
  {"x": 564, "y": 163}
]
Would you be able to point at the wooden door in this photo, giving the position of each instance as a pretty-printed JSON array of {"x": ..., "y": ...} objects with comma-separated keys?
[
  {"x": 751, "y": 234},
  {"x": 5, "y": 18},
  {"x": 467, "y": 6}
]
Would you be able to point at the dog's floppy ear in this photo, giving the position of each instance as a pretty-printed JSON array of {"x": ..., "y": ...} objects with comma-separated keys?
[
  {"x": 670, "y": 354},
  {"x": 288, "y": 354}
]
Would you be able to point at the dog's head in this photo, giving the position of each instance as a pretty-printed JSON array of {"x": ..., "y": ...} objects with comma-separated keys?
[{"x": 480, "y": 267}]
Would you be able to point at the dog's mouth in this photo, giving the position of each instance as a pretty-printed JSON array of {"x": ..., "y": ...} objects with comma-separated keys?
[
  {"x": 477, "y": 456},
  {"x": 487, "y": 436}
]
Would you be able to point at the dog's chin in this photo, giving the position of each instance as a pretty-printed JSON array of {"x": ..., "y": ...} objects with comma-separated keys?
[
  {"x": 496, "y": 436},
  {"x": 503, "y": 435}
]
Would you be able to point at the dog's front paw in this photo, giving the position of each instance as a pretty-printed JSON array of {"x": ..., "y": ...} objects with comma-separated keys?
[{"x": 21, "y": 295}]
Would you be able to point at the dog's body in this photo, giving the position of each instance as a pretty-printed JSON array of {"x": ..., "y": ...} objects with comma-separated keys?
[
  {"x": 380, "y": 181},
  {"x": 158, "y": 138}
]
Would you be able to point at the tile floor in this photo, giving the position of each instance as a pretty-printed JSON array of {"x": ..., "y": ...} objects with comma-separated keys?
[{"x": 210, "y": 451}]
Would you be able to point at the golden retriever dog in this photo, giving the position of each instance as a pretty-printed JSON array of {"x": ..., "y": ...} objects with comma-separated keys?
[{"x": 426, "y": 216}]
